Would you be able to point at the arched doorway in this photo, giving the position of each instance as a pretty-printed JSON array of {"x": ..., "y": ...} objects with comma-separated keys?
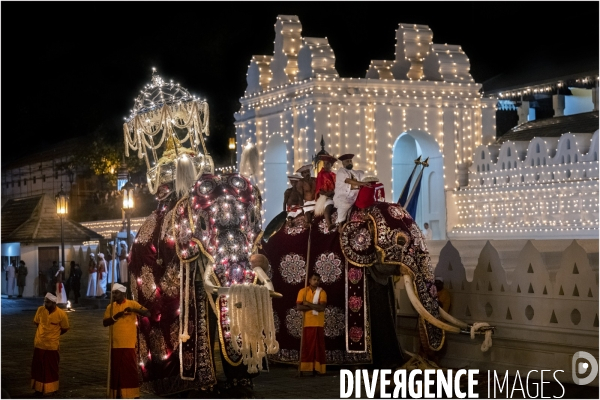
[
  {"x": 275, "y": 177},
  {"x": 431, "y": 206}
]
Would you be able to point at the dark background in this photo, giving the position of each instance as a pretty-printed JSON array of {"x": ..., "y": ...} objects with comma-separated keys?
[{"x": 70, "y": 68}]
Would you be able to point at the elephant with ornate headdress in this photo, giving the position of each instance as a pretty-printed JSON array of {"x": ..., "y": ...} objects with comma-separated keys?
[
  {"x": 191, "y": 263},
  {"x": 356, "y": 266}
]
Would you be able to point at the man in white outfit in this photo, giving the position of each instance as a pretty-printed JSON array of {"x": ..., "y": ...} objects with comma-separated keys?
[
  {"x": 10, "y": 280},
  {"x": 427, "y": 233},
  {"x": 347, "y": 183}
]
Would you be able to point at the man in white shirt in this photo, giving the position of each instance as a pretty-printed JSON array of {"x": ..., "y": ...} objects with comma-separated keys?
[
  {"x": 427, "y": 233},
  {"x": 347, "y": 183}
]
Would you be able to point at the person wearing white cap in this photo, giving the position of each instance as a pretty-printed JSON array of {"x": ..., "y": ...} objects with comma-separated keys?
[
  {"x": 93, "y": 276},
  {"x": 292, "y": 199},
  {"x": 122, "y": 254},
  {"x": 51, "y": 323},
  {"x": 101, "y": 285},
  {"x": 306, "y": 186},
  {"x": 61, "y": 293},
  {"x": 347, "y": 183},
  {"x": 112, "y": 265},
  {"x": 121, "y": 315}
]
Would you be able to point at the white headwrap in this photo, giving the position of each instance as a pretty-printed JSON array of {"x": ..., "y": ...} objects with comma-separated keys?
[
  {"x": 119, "y": 287},
  {"x": 91, "y": 254},
  {"x": 51, "y": 297}
]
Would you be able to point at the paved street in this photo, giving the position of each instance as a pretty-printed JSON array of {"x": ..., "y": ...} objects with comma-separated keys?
[{"x": 84, "y": 356}]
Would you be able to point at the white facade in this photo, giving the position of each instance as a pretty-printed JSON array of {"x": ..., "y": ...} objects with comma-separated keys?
[
  {"x": 29, "y": 254},
  {"x": 387, "y": 119},
  {"x": 515, "y": 227}
]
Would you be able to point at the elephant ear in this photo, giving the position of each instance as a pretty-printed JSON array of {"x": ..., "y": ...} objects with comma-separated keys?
[{"x": 275, "y": 225}]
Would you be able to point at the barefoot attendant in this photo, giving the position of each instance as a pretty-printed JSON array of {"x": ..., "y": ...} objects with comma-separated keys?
[
  {"x": 122, "y": 316},
  {"x": 51, "y": 323},
  {"x": 312, "y": 300}
]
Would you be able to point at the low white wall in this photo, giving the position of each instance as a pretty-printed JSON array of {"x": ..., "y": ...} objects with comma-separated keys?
[{"x": 542, "y": 296}]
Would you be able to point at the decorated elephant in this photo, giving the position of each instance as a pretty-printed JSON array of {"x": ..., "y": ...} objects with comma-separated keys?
[
  {"x": 355, "y": 266},
  {"x": 186, "y": 260},
  {"x": 193, "y": 255}
]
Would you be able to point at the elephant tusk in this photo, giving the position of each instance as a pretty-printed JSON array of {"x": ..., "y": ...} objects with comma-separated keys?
[
  {"x": 453, "y": 320},
  {"x": 408, "y": 283}
]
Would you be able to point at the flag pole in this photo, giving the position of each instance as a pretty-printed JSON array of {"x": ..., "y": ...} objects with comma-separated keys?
[
  {"x": 425, "y": 164},
  {"x": 304, "y": 312},
  {"x": 407, "y": 184}
]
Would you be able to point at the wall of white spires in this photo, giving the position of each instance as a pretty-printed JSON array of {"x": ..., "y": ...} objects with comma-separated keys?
[
  {"x": 544, "y": 188},
  {"x": 426, "y": 103}
]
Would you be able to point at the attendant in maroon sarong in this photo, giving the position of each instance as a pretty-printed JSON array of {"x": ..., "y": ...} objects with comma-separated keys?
[
  {"x": 312, "y": 300},
  {"x": 122, "y": 314},
  {"x": 51, "y": 322}
]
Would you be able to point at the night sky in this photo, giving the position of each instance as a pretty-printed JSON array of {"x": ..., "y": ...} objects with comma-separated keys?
[{"x": 70, "y": 68}]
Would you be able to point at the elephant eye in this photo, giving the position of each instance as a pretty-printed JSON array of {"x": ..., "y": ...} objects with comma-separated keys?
[
  {"x": 202, "y": 223},
  {"x": 401, "y": 240}
]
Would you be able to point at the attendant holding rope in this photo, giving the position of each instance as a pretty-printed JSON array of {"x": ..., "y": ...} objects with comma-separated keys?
[{"x": 122, "y": 315}]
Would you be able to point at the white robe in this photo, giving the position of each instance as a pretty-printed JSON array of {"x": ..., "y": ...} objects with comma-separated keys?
[
  {"x": 10, "y": 280},
  {"x": 61, "y": 294},
  {"x": 92, "y": 283},
  {"x": 101, "y": 284},
  {"x": 115, "y": 271},
  {"x": 345, "y": 197},
  {"x": 123, "y": 270}
]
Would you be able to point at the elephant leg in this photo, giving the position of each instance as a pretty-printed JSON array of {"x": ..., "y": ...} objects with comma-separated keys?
[{"x": 387, "y": 353}]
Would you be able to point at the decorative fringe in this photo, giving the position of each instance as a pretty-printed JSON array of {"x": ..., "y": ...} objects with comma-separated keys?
[
  {"x": 320, "y": 206},
  {"x": 186, "y": 175},
  {"x": 253, "y": 322}
]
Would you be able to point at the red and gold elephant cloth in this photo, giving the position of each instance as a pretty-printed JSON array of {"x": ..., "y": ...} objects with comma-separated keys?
[
  {"x": 219, "y": 221},
  {"x": 381, "y": 234},
  {"x": 165, "y": 365},
  {"x": 215, "y": 224}
]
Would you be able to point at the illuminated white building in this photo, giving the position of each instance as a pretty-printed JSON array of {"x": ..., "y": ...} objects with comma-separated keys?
[
  {"x": 515, "y": 221},
  {"x": 424, "y": 102}
]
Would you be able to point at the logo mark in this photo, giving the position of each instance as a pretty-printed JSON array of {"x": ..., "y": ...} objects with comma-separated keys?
[{"x": 580, "y": 367}]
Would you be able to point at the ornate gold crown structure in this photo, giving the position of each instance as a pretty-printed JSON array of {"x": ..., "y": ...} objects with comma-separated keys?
[{"x": 166, "y": 126}]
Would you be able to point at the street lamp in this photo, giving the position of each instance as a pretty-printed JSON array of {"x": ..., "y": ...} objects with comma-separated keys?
[
  {"x": 232, "y": 148},
  {"x": 62, "y": 209},
  {"x": 128, "y": 207}
]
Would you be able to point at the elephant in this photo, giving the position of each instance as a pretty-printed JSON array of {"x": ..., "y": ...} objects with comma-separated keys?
[
  {"x": 185, "y": 257},
  {"x": 355, "y": 266}
]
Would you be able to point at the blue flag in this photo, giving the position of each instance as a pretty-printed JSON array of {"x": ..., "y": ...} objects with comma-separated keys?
[
  {"x": 411, "y": 207},
  {"x": 405, "y": 190}
]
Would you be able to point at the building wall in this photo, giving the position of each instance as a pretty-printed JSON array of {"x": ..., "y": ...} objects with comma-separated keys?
[
  {"x": 545, "y": 188},
  {"x": 34, "y": 179},
  {"x": 29, "y": 254},
  {"x": 541, "y": 295}
]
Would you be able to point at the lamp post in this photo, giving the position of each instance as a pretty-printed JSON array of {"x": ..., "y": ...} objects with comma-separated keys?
[
  {"x": 128, "y": 207},
  {"x": 232, "y": 148},
  {"x": 62, "y": 209}
]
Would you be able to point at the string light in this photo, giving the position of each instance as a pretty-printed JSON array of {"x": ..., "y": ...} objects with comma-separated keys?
[{"x": 439, "y": 99}]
